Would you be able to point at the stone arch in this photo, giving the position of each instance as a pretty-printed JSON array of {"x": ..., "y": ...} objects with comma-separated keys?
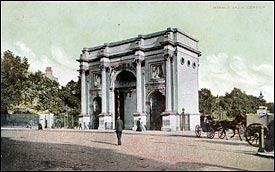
[
  {"x": 126, "y": 78},
  {"x": 151, "y": 92},
  {"x": 114, "y": 73},
  {"x": 96, "y": 111},
  {"x": 155, "y": 105}
]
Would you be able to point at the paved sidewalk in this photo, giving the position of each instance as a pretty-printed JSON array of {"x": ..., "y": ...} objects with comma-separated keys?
[{"x": 266, "y": 154}]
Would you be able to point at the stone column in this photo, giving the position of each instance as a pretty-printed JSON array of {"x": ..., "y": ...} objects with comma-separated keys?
[
  {"x": 112, "y": 106},
  {"x": 103, "y": 91},
  {"x": 84, "y": 66},
  {"x": 105, "y": 118},
  {"x": 139, "y": 58},
  {"x": 83, "y": 93},
  {"x": 139, "y": 93},
  {"x": 169, "y": 118},
  {"x": 168, "y": 104}
]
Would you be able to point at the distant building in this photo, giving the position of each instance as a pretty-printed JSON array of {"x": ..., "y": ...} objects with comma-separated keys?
[{"x": 49, "y": 74}]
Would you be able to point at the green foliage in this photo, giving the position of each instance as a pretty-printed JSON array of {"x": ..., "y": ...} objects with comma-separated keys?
[
  {"x": 14, "y": 74},
  {"x": 45, "y": 92},
  {"x": 236, "y": 102},
  {"x": 34, "y": 91},
  {"x": 233, "y": 103},
  {"x": 71, "y": 95},
  {"x": 206, "y": 101}
]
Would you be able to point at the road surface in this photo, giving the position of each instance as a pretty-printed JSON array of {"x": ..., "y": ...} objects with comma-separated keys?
[{"x": 75, "y": 150}]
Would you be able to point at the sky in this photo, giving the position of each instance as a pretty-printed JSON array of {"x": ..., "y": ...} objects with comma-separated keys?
[{"x": 236, "y": 38}]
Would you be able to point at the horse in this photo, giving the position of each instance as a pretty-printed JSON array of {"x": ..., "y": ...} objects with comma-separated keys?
[{"x": 234, "y": 125}]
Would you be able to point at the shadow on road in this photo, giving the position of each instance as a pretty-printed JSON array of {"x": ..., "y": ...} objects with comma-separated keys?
[
  {"x": 204, "y": 167},
  {"x": 225, "y": 142},
  {"x": 159, "y": 134},
  {"x": 36, "y": 156},
  {"x": 104, "y": 142}
]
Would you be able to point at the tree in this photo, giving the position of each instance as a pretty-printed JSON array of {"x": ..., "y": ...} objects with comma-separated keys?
[
  {"x": 71, "y": 95},
  {"x": 43, "y": 94},
  {"x": 236, "y": 102},
  {"x": 14, "y": 74},
  {"x": 33, "y": 92},
  {"x": 253, "y": 104},
  {"x": 206, "y": 101}
]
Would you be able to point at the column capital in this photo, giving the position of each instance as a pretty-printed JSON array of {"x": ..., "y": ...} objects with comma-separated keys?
[
  {"x": 139, "y": 56},
  {"x": 104, "y": 63},
  {"x": 83, "y": 69},
  {"x": 102, "y": 67},
  {"x": 168, "y": 54}
]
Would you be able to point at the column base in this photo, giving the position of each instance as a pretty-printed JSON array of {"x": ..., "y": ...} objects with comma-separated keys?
[
  {"x": 169, "y": 121},
  {"x": 105, "y": 121},
  {"x": 138, "y": 114},
  {"x": 84, "y": 120},
  {"x": 165, "y": 113},
  {"x": 194, "y": 120},
  {"x": 103, "y": 114}
]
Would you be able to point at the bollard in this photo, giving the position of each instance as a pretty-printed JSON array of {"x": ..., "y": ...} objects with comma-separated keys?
[{"x": 261, "y": 144}]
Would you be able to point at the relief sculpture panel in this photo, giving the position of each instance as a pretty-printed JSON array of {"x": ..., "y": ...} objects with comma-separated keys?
[
  {"x": 97, "y": 80},
  {"x": 157, "y": 71}
]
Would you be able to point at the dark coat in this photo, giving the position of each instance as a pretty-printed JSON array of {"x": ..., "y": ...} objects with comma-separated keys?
[{"x": 119, "y": 125}]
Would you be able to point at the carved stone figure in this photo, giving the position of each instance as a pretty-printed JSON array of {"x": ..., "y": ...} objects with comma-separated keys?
[
  {"x": 157, "y": 71},
  {"x": 97, "y": 80}
]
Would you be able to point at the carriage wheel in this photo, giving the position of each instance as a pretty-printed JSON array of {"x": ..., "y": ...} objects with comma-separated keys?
[
  {"x": 252, "y": 134},
  {"x": 198, "y": 130},
  {"x": 221, "y": 134},
  {"x": 211, "y": 133}
]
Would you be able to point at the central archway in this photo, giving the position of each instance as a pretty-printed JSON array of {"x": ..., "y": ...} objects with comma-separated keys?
[{"x": 125, "y": 98}]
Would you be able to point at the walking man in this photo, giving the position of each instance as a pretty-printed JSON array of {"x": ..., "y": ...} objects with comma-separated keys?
[{"x": 119, "y": 125}]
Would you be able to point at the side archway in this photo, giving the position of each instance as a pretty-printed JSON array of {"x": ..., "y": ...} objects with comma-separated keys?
[
  {"x": 96, "y": 112},
  {"x": 155, "y": 106}
]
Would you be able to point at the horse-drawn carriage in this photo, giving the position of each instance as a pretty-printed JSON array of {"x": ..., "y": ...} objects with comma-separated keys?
[
  {"x": 254, "y": 124},
  {"x": 208, "y": 125},
  {"x": 257, "y": 122}
]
